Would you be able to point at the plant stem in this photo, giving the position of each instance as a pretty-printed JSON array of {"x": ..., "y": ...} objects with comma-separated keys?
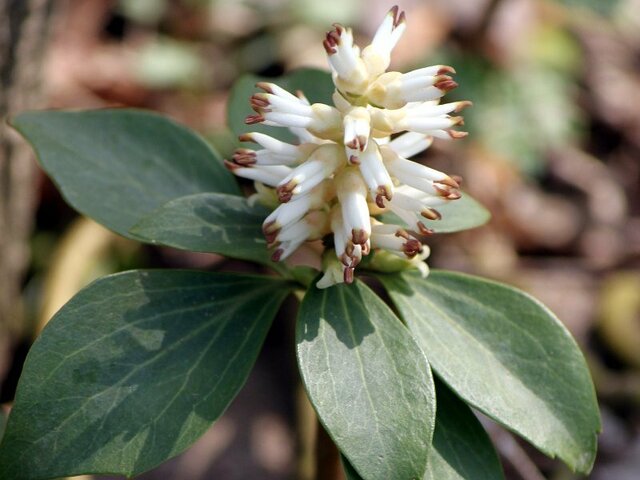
[
  {"x": 328, "y": 465},
  {"x": 307, "y": 424}
]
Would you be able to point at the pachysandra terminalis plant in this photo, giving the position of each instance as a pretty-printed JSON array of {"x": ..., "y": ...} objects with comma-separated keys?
[{"x": 138, "y": 365}]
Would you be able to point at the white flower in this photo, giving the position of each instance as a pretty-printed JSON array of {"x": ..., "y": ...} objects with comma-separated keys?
[{"x": 347, "y": 168}]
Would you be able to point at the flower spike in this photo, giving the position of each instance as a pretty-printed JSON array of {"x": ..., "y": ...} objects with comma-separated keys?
[{"x": 351, "y": 163}]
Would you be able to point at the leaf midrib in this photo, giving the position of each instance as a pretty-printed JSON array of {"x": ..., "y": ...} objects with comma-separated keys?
[{"x": 157, "y": 357}]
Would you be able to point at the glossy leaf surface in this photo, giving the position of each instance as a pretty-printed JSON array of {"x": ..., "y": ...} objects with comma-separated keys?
[
  {"x": 116, "y": 166},
  {"x": 368, "y": 381},
  {"x": 133, "y": 370},
  {"x": 506, "y": 354},
  {"x": 462, "y": 450},
  {"x": 208, "y": 222}
]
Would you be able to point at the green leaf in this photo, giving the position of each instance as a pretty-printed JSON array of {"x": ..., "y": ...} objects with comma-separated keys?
[
  {"x": 208, "y": 222},
  {"x": 457, "y": 215},
  {"x": 506, "y": 354},
  {"x": 368, "y": 381},
  {"x": 462, "y": 450},
  {"x": 349, "y": 472},
  {"x": 316, "y": 85},
  {"x": 133, "y": 370},
  {"x": 116, "y": 166}
]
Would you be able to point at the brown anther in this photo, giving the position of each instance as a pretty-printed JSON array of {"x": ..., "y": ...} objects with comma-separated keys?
[
  {"x": 329, "y": 47},
  {"x": 456, "y": 134},
  {"x": 411, "y": 247},
  {"x": 431, "y": 214},
  {"x": 271, "y": 237},
  {"x": 438, "y": 79},
  {"x": 334, "y": 36},
  {"x": 398, "y": 17},
  {"x": 354, "y": 160},
  {"x": 252, "y": 119},
  {"x": 442, "y": 190},
  {"x": 338, "y": 28},
  {"x": 264, "y": 86},
  {"x": 447, "y": 193},
  {"x": 446, "y": 84},
  {"x": 348, "y": 250},
  {"x": 348, "y": 259},
  {"x": 450, "y": 182},
  {"x": 277, "y": 255},
  {"x": 463, "y": 104},
  {"x": 359, "y": 236},
  {"x": 401, "y": 19},
  {"x": 454, "y": 195},
  {"x": 402, "y": 234},
  {"x": 366, "y": 248},
  {"x": 458, "y": 179},
  {"x": 259, "y": 102},
  {"x": 422, "y": 228},
  {"x": 348, "y": 275},
  {"x": 270, "y": 227},
  {"x": 245, "y": 137},
  {"x": 244, "y": 157},
  {"x": 353, "y": 144},
  {"x": 284, "y": 195},
  {"x": 457, "y": 120},
  {"x": 381, "y": 193},
  {"x": 230, "y": 165},
  {"x": 362, "y": 142},
  {"x": 444, "y": 69}
]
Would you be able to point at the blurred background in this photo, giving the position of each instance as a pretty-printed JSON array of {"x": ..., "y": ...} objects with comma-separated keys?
[{"x": 553, "y": 152}]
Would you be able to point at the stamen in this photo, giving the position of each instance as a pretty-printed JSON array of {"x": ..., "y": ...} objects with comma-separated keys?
[
  {"x": 444, "y": 69},
  {"x": 431, "y": 214},
  {"x": 348, "y": 275},
  {"x": 230, "y": 165},
  {"x": 277, "y": 255},
  {"x": 285, "y": 192},
  {"x": 266, "y": 86},
  {"x": 270, "y": 227},
  {"x": 271, "y": 237},
  {"x": 359, "y": 236},
  {"x": 422, "y": 228},
  {"x": 411, "y": 247},
  {"x": 446, "y": 84},
  {"x": 259, "y": 102},
  {"x": 382, "y": 193},
  {"x": 253, "y": 119},
  {"x": 449, "y": 182},
  {"x": 463, "y": 104},
  {"x": 244, "y": 157},
  {"x": 456, "y": 134}
]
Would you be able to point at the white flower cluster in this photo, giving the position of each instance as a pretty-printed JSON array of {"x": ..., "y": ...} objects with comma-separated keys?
[{"x": 350, "y": 165}]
